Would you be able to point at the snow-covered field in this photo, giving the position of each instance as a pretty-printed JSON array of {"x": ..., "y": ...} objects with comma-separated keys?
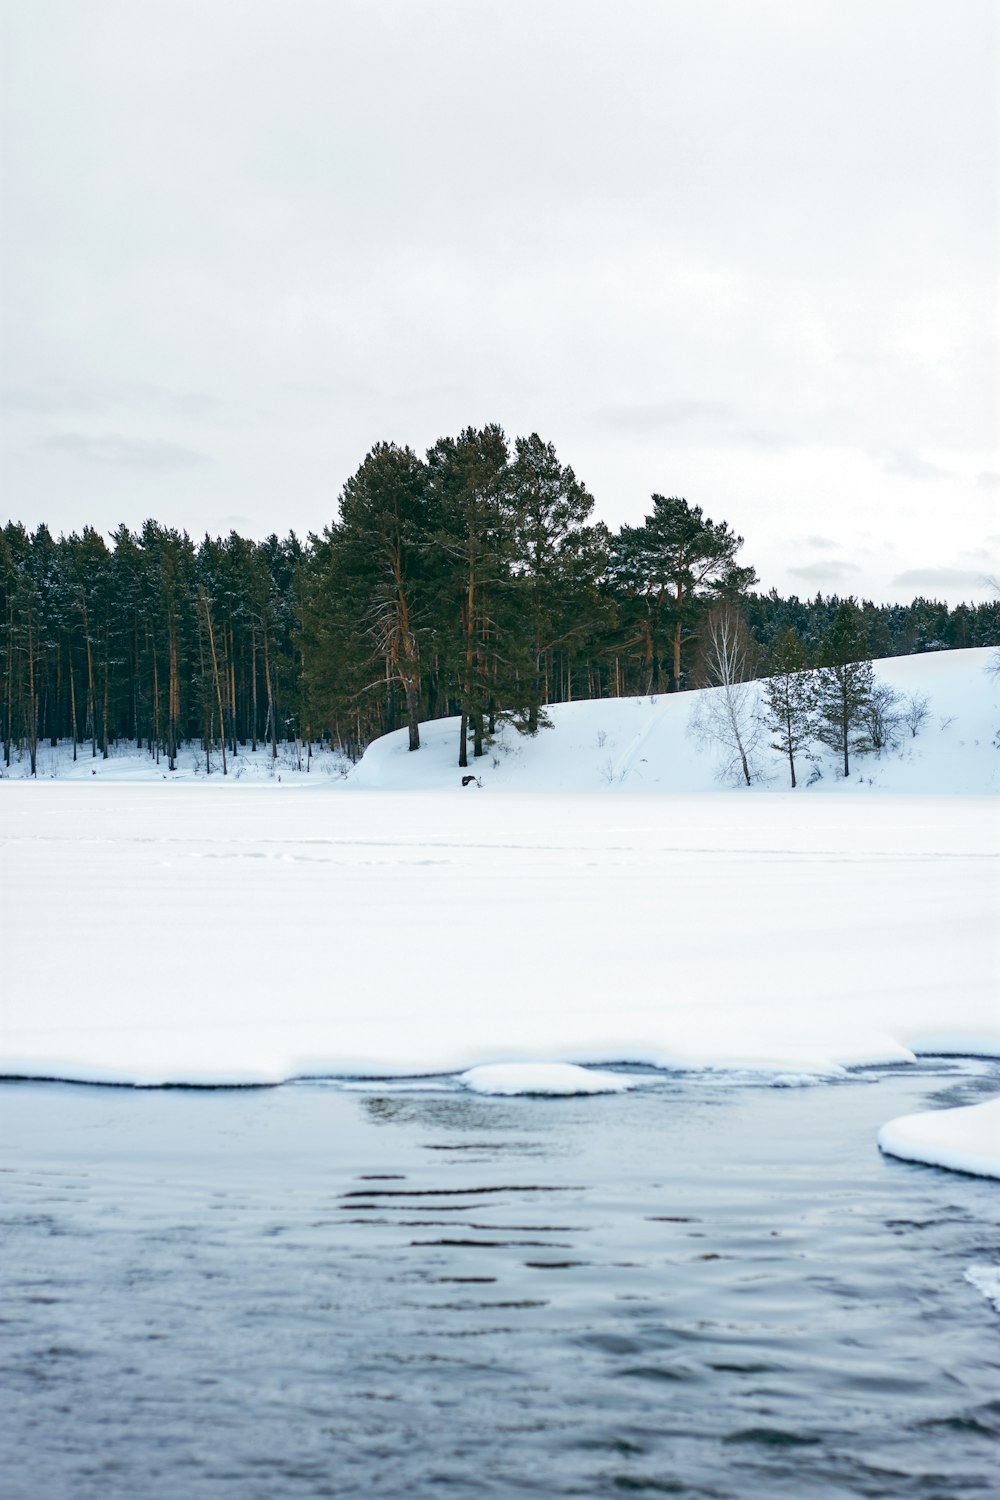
[{"x": 241, "y": 932}]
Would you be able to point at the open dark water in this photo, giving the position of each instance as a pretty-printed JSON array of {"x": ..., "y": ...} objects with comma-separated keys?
[{"x": 699, "y": 1289}]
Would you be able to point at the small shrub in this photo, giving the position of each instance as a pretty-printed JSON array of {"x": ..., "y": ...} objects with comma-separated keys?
[
  {"x": 916, "y": 711},
  {"x": 882, "y": 717}
]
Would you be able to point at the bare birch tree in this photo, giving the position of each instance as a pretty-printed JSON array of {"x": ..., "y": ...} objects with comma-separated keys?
[{"x": 726, "y": 715}]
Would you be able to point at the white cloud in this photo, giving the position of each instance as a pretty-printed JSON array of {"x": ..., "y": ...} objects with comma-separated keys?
[
  {"x": 114, "y": 449},
  {"x": 833, "y": 571},
  {"x": 947, "y": 579},
  {"x": 909, "y": 465}
]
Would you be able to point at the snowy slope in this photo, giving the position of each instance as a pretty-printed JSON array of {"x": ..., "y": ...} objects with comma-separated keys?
[
  {"x": 620, "y": 745},
  {"x": 646, "y": 745}
]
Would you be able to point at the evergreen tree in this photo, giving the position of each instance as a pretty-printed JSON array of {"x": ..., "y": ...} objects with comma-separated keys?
[
  {"x": 469, "y": 486},
  {"x": 556, "y": 556},
  {"x": 789, "y": 699},
  {"x": 381, "y": 556},
  {"x": 844, "y": 684},
  {"x": 676, "y": 561}
]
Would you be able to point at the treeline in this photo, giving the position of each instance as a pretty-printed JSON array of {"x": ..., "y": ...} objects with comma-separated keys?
[
  {"x": 473, "y": 581},
  {"x": 154, "y": 639}
]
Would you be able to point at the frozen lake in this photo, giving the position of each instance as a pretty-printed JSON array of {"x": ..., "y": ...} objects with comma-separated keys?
[
  {"x": 707, "y": 1287},
  {"x": 227, "y": 934}
]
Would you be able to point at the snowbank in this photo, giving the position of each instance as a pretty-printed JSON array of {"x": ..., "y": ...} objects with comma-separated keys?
[{"x": 965, "y": 1140}]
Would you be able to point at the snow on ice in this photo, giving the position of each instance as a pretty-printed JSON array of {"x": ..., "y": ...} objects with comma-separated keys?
[
  {"x": 965, "y": 1139},
  {"x": 542, "y": 1078}
]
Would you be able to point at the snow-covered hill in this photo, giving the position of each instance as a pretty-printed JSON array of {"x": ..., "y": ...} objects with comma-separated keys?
[
  {"x": 648, "y": 745},
  {"x": 630, "y": 745}
]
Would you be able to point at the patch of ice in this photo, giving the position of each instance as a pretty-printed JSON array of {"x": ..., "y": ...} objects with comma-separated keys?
[
  {"x": 986, "y": 1279},
  {"x": 542, "y": 1078}
]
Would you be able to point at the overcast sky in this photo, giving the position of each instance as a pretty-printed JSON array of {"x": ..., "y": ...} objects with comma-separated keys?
[{"x": 743, "y": 251}]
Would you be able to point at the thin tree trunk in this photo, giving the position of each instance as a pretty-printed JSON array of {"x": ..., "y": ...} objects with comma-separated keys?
[
  {"x": 72, "y": 695},
  {"x": 270, "y": 696},
  {"x": 646, "y": 685},
  {"x": 8, "y": 729},
  {"x": 174, "y": 696},
  {"x": 91, "y": 704},
  {"x": 136, "y": 680},
  {"x": 104, "y": 714},
  {"x": 412, "y": 714},
  {"x": 156, "y": 701},
  {"x": 469, "y": 624},
  {"x": 32, "y": 705},
  {"x": 232, "y": 686},
  {"x": 215, "y": 675},
  {"x": 53, "y": 722},
  {"x": 253, "y": 688}
]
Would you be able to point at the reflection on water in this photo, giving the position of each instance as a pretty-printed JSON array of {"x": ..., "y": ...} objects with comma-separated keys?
[{"x": 696, "y": 1289}]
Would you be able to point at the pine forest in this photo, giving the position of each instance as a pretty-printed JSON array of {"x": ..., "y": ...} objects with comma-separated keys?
[{"x": 472, "y": 582}]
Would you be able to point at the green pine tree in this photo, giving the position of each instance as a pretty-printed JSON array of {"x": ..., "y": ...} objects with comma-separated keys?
[
  {"x": 677, "y": 563},
  {"x": 844, "y": 684},
  {"x": 789, "y": 699}
]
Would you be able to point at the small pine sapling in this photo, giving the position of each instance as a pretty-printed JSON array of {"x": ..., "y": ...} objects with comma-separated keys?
[
  {"x": 789, "y": 707},
  {"x": 844, "y": 685}
]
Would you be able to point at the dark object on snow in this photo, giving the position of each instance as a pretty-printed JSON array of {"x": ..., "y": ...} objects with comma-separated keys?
[{"x": 467, "y": 779}]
